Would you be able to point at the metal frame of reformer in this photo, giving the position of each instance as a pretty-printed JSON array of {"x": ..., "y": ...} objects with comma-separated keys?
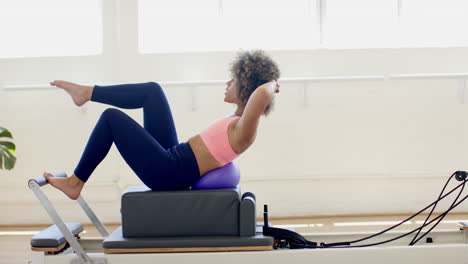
[
  {"x": 449, "y": 246},
  {"x": 35, "y": 185},
  {"x": 428, "y": 254}
]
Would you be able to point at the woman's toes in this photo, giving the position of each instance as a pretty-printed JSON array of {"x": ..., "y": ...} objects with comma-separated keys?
[{"x": 63, "y": 184}]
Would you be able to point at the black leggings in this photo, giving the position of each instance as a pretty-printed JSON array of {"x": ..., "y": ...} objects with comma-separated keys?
[{"x": 153, "y": 152}]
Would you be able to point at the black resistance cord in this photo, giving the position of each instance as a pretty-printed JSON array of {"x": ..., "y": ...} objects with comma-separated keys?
[
  {"x": 289, "y": 239},
  {"x": 459, "y": 175}
]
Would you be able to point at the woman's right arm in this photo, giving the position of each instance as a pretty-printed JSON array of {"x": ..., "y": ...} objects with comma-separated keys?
[{"x": 256, "y": 105}]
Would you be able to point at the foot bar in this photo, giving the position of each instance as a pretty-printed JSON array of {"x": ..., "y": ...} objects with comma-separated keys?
[
  {"x": 35, "y": 185},
  {"x": 41, "y": 180}
]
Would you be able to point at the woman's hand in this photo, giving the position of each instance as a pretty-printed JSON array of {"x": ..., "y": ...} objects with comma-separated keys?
[
  {"x": 272, "y": 86},
  {"x": 277, "y": 87}
]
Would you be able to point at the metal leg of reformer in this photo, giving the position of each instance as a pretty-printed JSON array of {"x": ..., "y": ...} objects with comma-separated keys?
[
  {"x": 35, "y": 186},
  {"x": 97, "y": 223}
]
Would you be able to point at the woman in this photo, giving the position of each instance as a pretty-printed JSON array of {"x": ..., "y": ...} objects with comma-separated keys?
[{"x": 154, "y": 152}]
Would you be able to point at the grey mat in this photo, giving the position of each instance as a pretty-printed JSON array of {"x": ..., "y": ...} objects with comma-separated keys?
[
  {"x": 51, "y": 237},
  {"x": 117, "y": 241}
]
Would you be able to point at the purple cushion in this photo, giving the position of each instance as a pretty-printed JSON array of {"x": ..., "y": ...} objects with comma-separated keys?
[{"x": 227, "y": 176}]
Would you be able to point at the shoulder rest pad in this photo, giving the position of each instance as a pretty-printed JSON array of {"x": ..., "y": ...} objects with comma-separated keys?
[{"x": 52, "y": 237}]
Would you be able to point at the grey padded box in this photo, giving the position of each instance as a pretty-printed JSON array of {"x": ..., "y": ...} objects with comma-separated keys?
[{"x": 188, "y": 213}]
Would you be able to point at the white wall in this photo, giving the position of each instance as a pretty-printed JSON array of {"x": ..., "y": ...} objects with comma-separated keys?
[{"x": 357, "y": 148}]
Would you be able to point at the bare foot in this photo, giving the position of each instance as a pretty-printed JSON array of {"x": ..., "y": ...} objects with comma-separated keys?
[
  {"x": 71, "y": 186},
  {"x": 79, "y": 93}
]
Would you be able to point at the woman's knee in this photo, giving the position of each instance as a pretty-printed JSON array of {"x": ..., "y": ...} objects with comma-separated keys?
[
  {"x": 111, "y": 112},
  {"x": 155, "y": 87},
  {"x": 115, "y": 117}
]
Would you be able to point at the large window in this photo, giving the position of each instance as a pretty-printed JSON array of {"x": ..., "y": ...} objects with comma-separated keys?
[
  {"x": 44, "y": 28},
  {"x": 185, "y": 25},
  {"x": 32, "y": 28}
]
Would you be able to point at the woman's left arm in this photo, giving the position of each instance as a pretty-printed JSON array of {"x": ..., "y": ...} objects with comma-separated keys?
[{"x": 258, "y": 101}]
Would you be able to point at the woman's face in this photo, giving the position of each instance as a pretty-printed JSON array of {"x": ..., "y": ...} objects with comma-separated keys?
[{"x": 231, "y": 92}]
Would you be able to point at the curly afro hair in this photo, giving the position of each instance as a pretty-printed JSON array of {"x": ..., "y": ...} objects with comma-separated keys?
[{"x": 250, "y": 69}]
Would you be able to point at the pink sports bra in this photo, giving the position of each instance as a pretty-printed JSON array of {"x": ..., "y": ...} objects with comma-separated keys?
[{"x": 215, "y": 137}]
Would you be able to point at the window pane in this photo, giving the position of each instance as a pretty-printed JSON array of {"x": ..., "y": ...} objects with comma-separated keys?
[
  {"x": 178, "y": 8},
  {"x": 32, "y": 28},
  {"x": 279, "y": 24},
  {"x": 271, "y": 24},
  {"x": 361, "y": 23},
  {"x": 175, "y": 25},
  {"x": 434, "y": 22},
  {"x": 263, "y": 8}
]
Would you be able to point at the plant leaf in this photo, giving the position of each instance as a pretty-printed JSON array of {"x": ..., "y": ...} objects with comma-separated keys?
[
  {"x": 7, "y": 160},
  {"x": 5, "y": 133},
  {"x": 10, "y": 146},
  {"x": 1, "y": 161},
  {"x": 3, "y": 156},
  {"x": 10, "y": 163}
]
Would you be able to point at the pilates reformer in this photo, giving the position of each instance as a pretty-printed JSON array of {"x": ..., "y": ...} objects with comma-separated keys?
[{"x": 206, "y": 225}]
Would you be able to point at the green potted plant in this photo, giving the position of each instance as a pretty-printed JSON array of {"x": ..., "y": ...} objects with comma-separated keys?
[{"x": 7, "y": 150}]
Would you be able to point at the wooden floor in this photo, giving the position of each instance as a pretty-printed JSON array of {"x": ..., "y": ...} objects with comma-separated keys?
[{"x": 15, "y": 247}]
